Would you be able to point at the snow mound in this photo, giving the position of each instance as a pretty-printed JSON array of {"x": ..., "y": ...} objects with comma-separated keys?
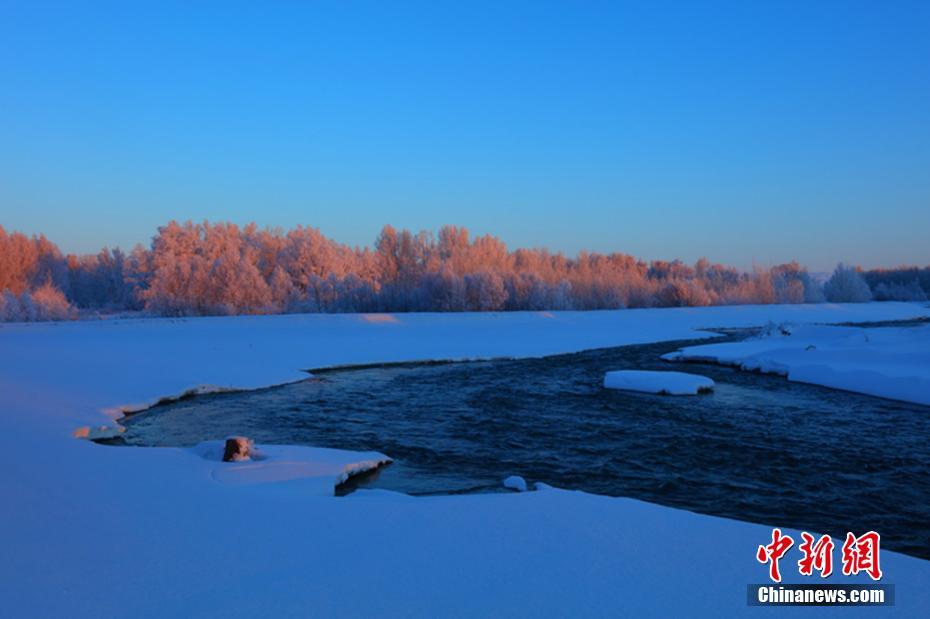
[
  {"x": 515, "y": 482},
  {"x": 319, "y": 469},
  {"x": 664, "y": 383}
]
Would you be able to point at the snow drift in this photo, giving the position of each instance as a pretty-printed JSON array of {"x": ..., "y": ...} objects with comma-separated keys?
[{"x": 889, "y": 362}]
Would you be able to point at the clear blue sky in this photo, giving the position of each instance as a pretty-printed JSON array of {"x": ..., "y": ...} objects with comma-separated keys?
[{"x": 745, "y": 131}]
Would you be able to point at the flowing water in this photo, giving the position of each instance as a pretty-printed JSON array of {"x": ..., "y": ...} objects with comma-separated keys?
[{"x": 759, "y": 448}]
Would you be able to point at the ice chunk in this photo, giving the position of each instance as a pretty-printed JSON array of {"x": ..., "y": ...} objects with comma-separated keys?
[
  {"x": 666, "y": 383},
  {"x": 515, "y": 482}
]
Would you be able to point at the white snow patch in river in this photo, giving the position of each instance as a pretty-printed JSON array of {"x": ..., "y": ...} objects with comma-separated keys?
[
  {"x": 889, "y": 362},
  {"x": 665, "y": 383}
]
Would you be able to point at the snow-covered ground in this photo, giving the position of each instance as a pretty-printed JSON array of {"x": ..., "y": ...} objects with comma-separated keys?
[
  {"x": 319, "y": 469},
  {"x": 889, "y": 362},
  {"x": 91, "y": 530},
  {"x": 668, "y": 383}
]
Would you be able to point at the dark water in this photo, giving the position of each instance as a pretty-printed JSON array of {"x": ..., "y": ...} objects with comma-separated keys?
[{"x": 759, "y": 448}]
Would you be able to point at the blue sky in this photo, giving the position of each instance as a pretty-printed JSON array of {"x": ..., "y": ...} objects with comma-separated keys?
[{"x": 748, "y": 132}]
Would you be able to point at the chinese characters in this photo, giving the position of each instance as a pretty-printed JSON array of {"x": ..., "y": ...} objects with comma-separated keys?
[{"x": 859, "y": 554}]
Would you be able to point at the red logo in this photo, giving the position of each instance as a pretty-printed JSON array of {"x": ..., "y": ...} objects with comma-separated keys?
[
  {"x": 860, "y": 554},
  {"x": 773, "y": 552},
  {"x": 817, "y": 556}
]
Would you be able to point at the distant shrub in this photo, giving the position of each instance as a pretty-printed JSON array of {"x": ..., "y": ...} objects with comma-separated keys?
[
  {"x": 50, "y": 303},
  {"x": 900, "y": 284},
  {"x": 813, "y": 291},
  {"x": 847, "y": 285},
  {"x": 9, "y": 305},
  {"x": 683, "y": 293},
  {"x": 900, "y": 292},
  {"x": 45, "y": 303}
]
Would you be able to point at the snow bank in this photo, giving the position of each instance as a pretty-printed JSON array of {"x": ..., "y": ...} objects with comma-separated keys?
[
  {"x": 889, "y": 362},
  {"x": 664, "y": 383},
  {"x": 320, "y": 469},
  {"x": 266, "y": 538}
]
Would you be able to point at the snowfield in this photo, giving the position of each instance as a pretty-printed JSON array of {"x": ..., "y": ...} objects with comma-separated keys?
[
  {"x": 93, "y": 530},
  {"x": 888, "y": 362},
  {"x": 665, "y": 383}
]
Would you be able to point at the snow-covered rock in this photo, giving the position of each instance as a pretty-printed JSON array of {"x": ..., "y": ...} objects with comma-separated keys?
[
  {"x": 664, "y": 383},
  {"x": 515, "y": 482}
]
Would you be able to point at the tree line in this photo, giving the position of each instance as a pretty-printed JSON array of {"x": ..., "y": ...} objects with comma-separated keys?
[{"x": 222, "y": 269}]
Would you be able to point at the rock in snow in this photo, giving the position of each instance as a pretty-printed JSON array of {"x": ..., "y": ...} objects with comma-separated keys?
[
  {"x": 665, "y": 383},
  {"x": 515, "y": 482},
  {"x": 319, "y": 470},
  {"x": 238, "y": 449},
  {"x": 97, "y": 433}
]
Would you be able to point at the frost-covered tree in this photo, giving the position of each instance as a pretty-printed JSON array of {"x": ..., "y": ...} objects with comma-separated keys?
[
  {"x": 26, "y": 263},
  {"x": 899, "y": 284},
  {"x": 900, "y": 292},
  {"x": 445, "y": 290},
  {"x": 847, "y": 285},
  {"x": 220, "y": 268},
  {"x": 683, "y": 293},
  {"x": 205, "y": 269},
  {"x": 45, "y": 303},
  {"x": 9, "y": 306},
  {"x": 793, "y": 284},
  {"x": 102, "y": 281},
  {"x": 17, "y": 261},
  {"x": 284, "y": 295},
  {"x": 49, "y": 303},
  {"x": 484, "y": 291}
]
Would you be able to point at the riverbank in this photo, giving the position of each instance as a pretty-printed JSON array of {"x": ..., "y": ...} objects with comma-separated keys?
[
  {"x": 92, "y": 530},
  {"x": 885, "y": 361}
]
